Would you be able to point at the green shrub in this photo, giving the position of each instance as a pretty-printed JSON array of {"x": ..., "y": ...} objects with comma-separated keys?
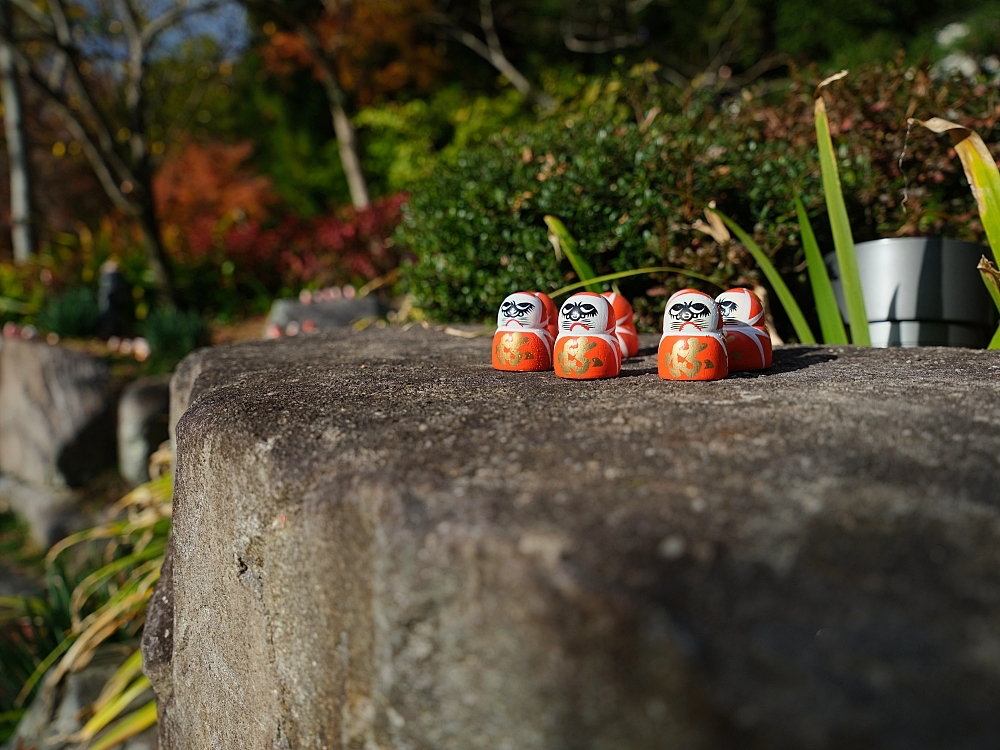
[
  {"x": 629, "y": 166},
  {"x": 172, "y": 335},
  {"x": 72, "y": 314}
]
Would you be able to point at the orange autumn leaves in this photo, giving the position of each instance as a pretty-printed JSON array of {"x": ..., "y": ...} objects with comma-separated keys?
[
  {"x": 203, "y": 186},
  {"x": 375, "y": 45}
]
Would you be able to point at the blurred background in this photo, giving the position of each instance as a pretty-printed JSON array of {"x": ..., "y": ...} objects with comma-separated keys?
[
  {"x": 222, "y": 154},
  {"x": 176, "y": 173}
]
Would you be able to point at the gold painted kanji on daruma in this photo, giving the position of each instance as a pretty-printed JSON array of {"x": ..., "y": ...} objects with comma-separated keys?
[{"x": 692, "y": 346}]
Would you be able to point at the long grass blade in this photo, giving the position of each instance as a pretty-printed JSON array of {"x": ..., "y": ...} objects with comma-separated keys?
[
  {"x": 991, "y": 278},
  {"x": 562, "y": 240},
  {"x": 635, "y": 272},
  {"x": 120, "y": 680},
  {"x": 138, "y": 721},
  {"x": 86, "y": 588},
  {"x": 784, "y": 294},
  {"x": 112, "y": 710},
  {"x": 981, "y": 172},
  {"x": 830, "y": 322},
  {"x": 843, "y": 239},
  {"x": 42, "y": 668}
]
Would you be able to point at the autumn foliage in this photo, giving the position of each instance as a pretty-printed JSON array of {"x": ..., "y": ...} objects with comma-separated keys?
[
  {"x": 374, "y": 44},
  {"x": 214, "y": 208}
]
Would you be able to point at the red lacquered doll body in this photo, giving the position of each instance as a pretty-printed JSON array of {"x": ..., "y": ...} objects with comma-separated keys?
[
  {"x": 586, "y": 347},
  {"x": 692, "y": 346},
  {"x": 526, "y": 328},
  {"x": 747, "y": 339},
  {"x": 625, "y": 332}
]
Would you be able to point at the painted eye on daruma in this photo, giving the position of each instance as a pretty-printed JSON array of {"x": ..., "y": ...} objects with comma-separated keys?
[
  {"x": 516, "y": 309},
  {"x": 578, "y": 310}
]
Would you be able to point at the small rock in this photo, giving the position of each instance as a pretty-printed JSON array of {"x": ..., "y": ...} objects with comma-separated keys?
[
  {"x": 290, "y": 315},
  {"x": 143, "y": 412},
  {"x": 56, "y": 414}
]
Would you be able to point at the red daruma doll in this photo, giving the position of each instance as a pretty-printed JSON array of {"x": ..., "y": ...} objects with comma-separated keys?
[
  {"x": 692, "y": 346},
  {"x": 586, "y": 347},
  {"x": 747, "y": 340},
  {"x": 628, "y": 337},
  {"x": 526, "y": 331}
]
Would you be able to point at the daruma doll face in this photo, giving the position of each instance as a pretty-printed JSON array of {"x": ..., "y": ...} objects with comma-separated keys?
[
  {"x": 520, "y": 310},
  {"x": 586, "y": 313},
  {"x": 690, "y": 311},
  {"x": 742, "y": 306}
]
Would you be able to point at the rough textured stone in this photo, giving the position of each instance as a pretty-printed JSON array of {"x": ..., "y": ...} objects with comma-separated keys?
[
  {"x": 143, "y": 412},
  {"x": 57, "y": 419},
  {"x": 380, "y": 542}
]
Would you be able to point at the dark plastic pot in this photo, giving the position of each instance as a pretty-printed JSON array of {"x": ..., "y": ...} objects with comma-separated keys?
[{"x": 922, "y": 291}]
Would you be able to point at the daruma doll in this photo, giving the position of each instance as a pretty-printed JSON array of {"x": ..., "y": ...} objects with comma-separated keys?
[
  {"x": 526, "y": 331},
  {"x": 628, "y": 337},
  {"x": 692, "y": 346},
  {"x": 586, "y": 347},
  {"x": 747, "y": 340}
]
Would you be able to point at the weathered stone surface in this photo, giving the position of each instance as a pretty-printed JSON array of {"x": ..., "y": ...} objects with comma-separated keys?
[
  {"x": 381, "y": 542},
  {"x": 57, "y": 421},
  {"x": 143, "y": 412}
]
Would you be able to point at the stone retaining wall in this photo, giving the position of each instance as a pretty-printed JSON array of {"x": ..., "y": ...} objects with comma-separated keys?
[{"x": 380, "y": 542}]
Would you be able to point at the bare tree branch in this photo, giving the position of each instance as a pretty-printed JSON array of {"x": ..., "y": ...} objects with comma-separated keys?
[
  {"x": 574, "y": 43},
  {"x": 32, "y": 11},
  {"x": 491, "y": 50},
  {"x": 164, "y": 21},
  {"x": 344, "y": 130}
]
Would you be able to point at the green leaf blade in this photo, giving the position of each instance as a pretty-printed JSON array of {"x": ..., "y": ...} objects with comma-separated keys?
[
  {"x": 843, "y": 239},
  {"x": 138, "y": 721},
  {"x": 830, "y": 322},
  {"x": 634, "y": 272},
  {"x": 781, "y": 290},
  {"x": 559, "y": 235}
]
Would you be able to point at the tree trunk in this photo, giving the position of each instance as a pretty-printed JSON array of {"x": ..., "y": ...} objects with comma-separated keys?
[
  {"x": 17, "y": 144},
  {"x": 348, "y": 146},
  {"x": 156, "y": 254}
]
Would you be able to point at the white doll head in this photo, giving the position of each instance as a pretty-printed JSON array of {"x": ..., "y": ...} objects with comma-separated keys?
[
  {"x": 691, "y": 311},
  {"x": 520, "y": 310},
  {"x": 586, "y": 312},
  {"x": 741, "y": 306}
]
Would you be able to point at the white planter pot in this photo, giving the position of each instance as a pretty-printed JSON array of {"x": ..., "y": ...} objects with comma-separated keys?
[{"x": 922, "y": 291}]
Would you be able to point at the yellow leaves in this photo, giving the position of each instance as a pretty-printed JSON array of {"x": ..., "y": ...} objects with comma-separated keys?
[
  {"x": 984, "y": 179},
  {"x": 980, "y": 170}
]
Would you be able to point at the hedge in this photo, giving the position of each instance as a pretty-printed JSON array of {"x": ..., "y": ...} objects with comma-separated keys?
[{"x": 630, "y": 164}]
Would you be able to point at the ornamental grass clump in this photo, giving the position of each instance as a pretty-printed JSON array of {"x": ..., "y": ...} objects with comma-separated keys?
[{"x": 106, "y": 602}]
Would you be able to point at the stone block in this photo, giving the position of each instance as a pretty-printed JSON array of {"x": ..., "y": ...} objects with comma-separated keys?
[
  {"x": 57, "y": 414},
  {"x": 143, "y": 415},
  {"x": 321, "y": 315},
  {"x": 381, "y": 542},
  {"x": 51, "y": 513}
]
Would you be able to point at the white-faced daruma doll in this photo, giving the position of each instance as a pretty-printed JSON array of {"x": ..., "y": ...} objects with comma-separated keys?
[
  {"x": 747, "y": 341},
  {"x": 692, "y": 346},
  {"x": 586, "y": 347},
  {"x": 526, "y": 331}
]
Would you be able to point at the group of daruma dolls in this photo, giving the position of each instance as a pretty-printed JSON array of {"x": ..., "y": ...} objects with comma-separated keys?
[{"x": 590, "y": 335}]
